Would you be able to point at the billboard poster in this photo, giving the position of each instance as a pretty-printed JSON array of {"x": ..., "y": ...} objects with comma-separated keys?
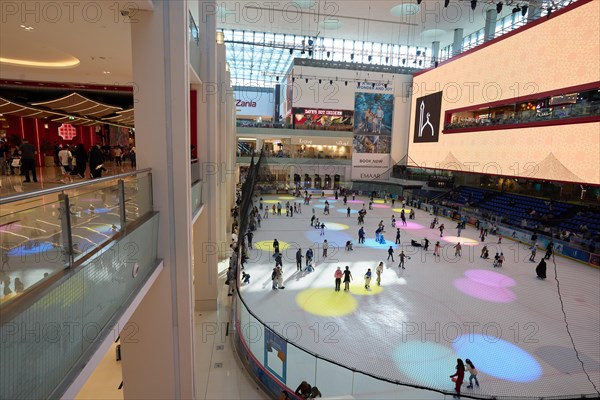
[
  {"x": 331, "y": 120},
  {"x": 427, "y": 121},
  {"x": 372, "y": 142},
  {"x": 275, "y": 354}
]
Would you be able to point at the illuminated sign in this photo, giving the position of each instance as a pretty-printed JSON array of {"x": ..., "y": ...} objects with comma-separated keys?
[{"x": 67, "y": 131}]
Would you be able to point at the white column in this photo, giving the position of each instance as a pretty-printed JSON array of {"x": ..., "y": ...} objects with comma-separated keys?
[
  {"x": 489, "y": 31},
  {"x": 158, "y": 364},
  {"x": 206, "y": 240},
  {"x": 458, "y": 41}
]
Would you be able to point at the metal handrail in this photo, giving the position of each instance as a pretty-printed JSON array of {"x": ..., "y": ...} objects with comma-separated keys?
[{"x": 69, "y": 186}]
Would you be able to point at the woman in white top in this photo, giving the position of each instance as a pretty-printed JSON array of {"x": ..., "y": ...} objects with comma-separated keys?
[{"x": 65, "y": 158}]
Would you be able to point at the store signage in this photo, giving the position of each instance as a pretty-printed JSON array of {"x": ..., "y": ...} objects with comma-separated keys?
[
  {"x": 427, "y": 123},
  {"x": 242, "y": 103},
  {"x": 333, "y": 113},
  {"x": 322, "y": 141},
  {"x": 564, "y": 99},
  {"x": 67, "y": 131}
]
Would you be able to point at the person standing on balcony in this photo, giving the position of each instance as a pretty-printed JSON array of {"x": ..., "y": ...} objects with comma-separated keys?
[{"x": 28, "y": 153}]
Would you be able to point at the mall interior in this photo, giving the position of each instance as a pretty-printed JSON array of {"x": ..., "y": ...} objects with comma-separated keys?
[{"x": 164, "y": 138}]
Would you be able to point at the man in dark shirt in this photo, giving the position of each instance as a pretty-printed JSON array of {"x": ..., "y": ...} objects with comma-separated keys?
[{"x": 28, "y": 160}]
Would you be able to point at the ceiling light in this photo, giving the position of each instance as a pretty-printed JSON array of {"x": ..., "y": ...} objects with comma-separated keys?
[
  {"x": 106, "y": 72},
  {"x": 524, "y": 10},
  {"x": 346, "y": 83},
  {"x": 71, "y": 62},
  {"x": 293, "y": 79},
  {"x": 387, "y": 59},
  {"x": 370, "y": 58},
  {"x": 404, "y": 61},
  {"x": 516, "y": 10},
  {"x": 419, "y": 1},
  {"x": 446, "y": 3},
  {"x": 373, "y": 85},
  {"x": 277, "y": 78},
  {"x": 499, "y": 8},
  {"x": 331, "y": 82},
  {"x": 291, "y": 51},
  {"x": 328, "y": 54},
  {"x": 473, "y": 4},
  {"x": 27, "y": 28},
  {"x": 319, "y": 81},
  {"x": 306, "y": 80},
  {"x": 352, "y": 56}
]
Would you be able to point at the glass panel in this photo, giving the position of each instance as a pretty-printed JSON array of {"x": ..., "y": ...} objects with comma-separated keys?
[
  {"x": 31, "y": 246},
  {"x": 256, "y": 339},
  {"x": 138, "y": 197},
  {"x": 196, "y": 197},
  {"x": 95, "y": 218},
  {"x": 301, "y": 366},
  {"x": 332, "y": 380},
  {"x": 366, "y": 387}
]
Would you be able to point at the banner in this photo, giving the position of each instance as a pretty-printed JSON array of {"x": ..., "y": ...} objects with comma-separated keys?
[
  {"x": 427, "y": 121},
  {"x": 331, "y": 120},
  {"x": 372, "y": 144},
  {"x": 322, "y": 141}
]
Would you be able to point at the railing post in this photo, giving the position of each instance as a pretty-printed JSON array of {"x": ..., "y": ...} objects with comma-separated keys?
[
  {"x": 65, "y": 222},
  {"x": 121, "y": 185}
]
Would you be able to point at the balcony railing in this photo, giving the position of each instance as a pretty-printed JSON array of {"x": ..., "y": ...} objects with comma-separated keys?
[{"x": 70, "y": 265}]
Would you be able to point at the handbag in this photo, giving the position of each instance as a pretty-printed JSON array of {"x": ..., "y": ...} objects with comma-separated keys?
[{"x": 16, "y": 162}]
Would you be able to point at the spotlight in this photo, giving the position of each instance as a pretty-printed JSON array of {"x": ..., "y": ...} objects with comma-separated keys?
[
  {"x": 346, "y": 83},
  {"x": 373, "y": 86},
  {"x": 328, "y": 54},
  {"x": 524, "y": 10},
  {"x": 516, "y": 10},
  {"x": 549, "y": 11},
  {"x": 370, "y": 58},
  {"x": 404, "y": 61},
  {"x": 293, "y": 79},
  {"x": 387, "y": 60},
  {"x": 291, "y": 51},
  {"x": 352, "y": 56},
  {"x": 331, "y": 82},
  {"x": 419, "y": 1},
  {"x": 302, "y": 52},
  {"x": 385, "y": 85},
  {"x": 310, "y": 53},
  {"x": 320, "y": 81},
  {"x": 473, "y": 4},
  {"x": 277, "y": 78},
  {"x": 306, "y": 80},
  {"x": 499, "y": 8},
  {"x": 446, "y": 3},
  {"x": 418, "y": 53},
  {"x": 420, "y": 62}
]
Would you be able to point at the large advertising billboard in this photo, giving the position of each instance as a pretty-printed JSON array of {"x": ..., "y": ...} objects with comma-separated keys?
[
  {"x": 553, "y": 149},
  {"x": 373, "y": 118}
]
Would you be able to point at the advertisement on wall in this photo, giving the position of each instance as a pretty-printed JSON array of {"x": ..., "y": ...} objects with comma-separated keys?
[
  {"x": 427, "y": 123},
  {"x": 331, "y": 120},
  {"x": 372, "y": 143},
  {"x": 254, "y": 103},
  {"x": 275, "y": 354}
]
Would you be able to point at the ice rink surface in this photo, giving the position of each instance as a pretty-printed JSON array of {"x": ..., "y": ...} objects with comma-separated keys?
[{"x": 413, "y": 327}]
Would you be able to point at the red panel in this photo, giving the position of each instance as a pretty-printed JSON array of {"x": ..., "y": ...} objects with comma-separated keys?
[
  {"x": 509, "y": 34},
  {"x": 566, "y": 121}
]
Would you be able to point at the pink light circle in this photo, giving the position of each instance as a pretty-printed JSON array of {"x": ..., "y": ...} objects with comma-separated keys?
[
  {"x": 489, "y": 278},
  {"x": 380, "y": 206},
  {"x": 484, "y": 292},
  {"x": 411, "y": 226},
  {"x": 356, "y": 202}
]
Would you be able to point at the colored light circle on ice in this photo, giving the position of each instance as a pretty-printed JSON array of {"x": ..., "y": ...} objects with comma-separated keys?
[
  {"x": 287, "y": 198},
  {"x": 376, "y": 245},
  {"x": 345, "y": 211},
  {"x": 267, "y": 245},
  {"x": 380, "y": 206},
  {"x": 329, "y": 201},
  {"x": 497, "y": 357},
  {"x": 378, "y": 201},
  {"x": 425, "y": 362},
  {"x": 464, "y": 241},
  {"x": 485, "y": 292},
  {"x": 399, "y": 210},
  {"x": 356, "y": 202},
  {"x": 270, "y": 201},
  {"x": 489, "y": 278},
  {"x": 410, "y": 226},
  {"x": 327, "y": 302},
  {"x": 333, "y": 226}
]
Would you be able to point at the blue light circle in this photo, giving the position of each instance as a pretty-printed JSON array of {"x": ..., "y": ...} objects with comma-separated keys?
[
  {"x": 345, "y": 211},
  {"x": 498, "y": 358}
]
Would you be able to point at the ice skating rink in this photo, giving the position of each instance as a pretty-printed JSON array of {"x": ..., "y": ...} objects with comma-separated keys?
[{"x": 415, "y": 325}]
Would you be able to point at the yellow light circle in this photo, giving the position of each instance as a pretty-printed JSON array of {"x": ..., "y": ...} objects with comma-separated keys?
[
  {"x": 286, "y": 198},
  {"x": 270, "y": 201},
  {"x": 357, "y": 287},
  {"x": 399, "y": 210},
  {"x": 378, "y": 201},
  {"x": 327, "y": 302},
  {"x": 267, "y": 245}
]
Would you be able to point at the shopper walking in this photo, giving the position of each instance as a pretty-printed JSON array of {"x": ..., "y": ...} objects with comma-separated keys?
[
  {"x": 28, "y": 152},
  {"x": 347, "y": 279}
]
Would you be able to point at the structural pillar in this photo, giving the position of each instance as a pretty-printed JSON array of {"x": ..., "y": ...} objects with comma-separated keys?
[
  {"x": 489, "y": 31},
  {"x": 535, "y": 10},
  {"x": 458, "y": 41},
  {"x": 157, "y": 361},
  {"x": 435, "y": 53}
]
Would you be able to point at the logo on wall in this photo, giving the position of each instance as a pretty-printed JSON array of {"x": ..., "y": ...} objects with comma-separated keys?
[
  {"x": 427, "y": 123},
  {"x": 67, "y": 131}
]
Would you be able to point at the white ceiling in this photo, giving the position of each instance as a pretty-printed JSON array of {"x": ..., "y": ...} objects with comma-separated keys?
[
  {"x": 94, "y": 32},
  {"x": 384, "y": 21}
]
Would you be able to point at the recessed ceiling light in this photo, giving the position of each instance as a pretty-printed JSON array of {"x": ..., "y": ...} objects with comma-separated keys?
[
  {"x": 27, "y": 28},
  {"x": 106, "y": 72}
]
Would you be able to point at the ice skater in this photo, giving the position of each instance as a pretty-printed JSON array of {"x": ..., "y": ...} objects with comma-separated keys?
[
  {"x": 390, "y": 254},
  {"x": 325, "y": 247},
  {"x": 473, "y": 374},
  {"x": 402, "y": 257},
  {"x": 368, "y": 279},
  {"x": 460, "y": 376},
  {"x": 540, "y": 270},
  {"x": 436, "y": 249},
  {"x": 533, "y": 251},
  {"x": 458, "y": 250},
  {"x": 398, "y": 236},
  {"x": 441, "y": 228},
  {"x": 379, "y": 271},
  {"x": 347, "y": 279},
  {"x": 299, "y": 258},
  {"x": 338, "y": 278}
]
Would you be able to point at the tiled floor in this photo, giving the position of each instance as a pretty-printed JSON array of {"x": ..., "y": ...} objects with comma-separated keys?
[{"x": 415, "y": 325}]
